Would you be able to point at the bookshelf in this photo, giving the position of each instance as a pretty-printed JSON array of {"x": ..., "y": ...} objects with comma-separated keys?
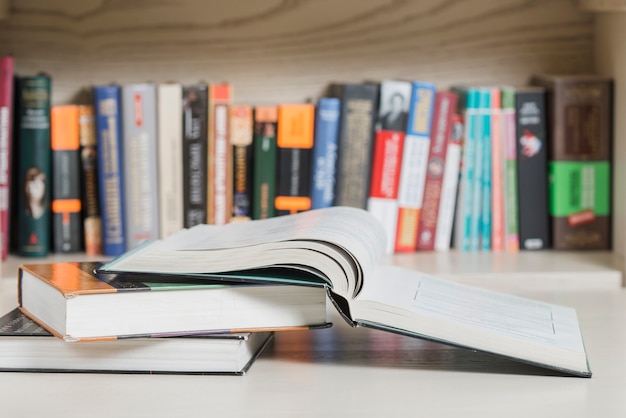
[{"x": 275, "y": 51}]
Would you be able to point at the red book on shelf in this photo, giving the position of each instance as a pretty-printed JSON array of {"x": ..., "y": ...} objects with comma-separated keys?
[{"x": 6, "y": 125}]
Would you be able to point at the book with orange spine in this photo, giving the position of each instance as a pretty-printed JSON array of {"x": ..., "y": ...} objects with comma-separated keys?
[{"x": 220, "y": 162}]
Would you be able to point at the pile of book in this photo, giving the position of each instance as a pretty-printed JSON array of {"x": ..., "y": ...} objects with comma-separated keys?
[
  {"x": 507, "y": 168},
  {"x": 158, "y": 308}
]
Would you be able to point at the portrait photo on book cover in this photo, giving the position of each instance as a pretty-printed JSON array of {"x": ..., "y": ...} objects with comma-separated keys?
[
  {"x": 35, "y": 192},
  {"x": 394, "y": 108}
]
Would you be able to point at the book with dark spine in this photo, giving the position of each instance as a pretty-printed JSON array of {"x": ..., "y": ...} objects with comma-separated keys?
[
  {"x": 34, "y": 165},
  {"x": 294, "y": 146},
  {"x": 264, "y": 178},
  {"x": 90, "y": 201},
  {"x": 195, "y": 153},
  {"x": 324, "y": 164},
  {"x": 241, "y": 140},
  {"x": 67, "y": 231},
  {"x": 532, "y": 168},
  {"x": 359, "y": 108},
  {"x": 580, "y": 112}
]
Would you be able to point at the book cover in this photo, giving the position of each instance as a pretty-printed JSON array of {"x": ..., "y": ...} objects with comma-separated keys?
[
  {"x": 264, "y": 166},
  {"x": 67, "y": 231},
  {"x": 468, "y": 108},
  {"x": 27, "y": 347},
  {"x": 385, "y": 178},
  {"x": 532, "y": 168},
  {"x": 510, "y": 169},
  {"x": 220, "y": 162},
  {"x": 90, "y": 200},
  {"x": 195, "y": 153},
  {"x": 449, "y": 186},
  {"x": 580, "y": 112},
  {"x": 34, "y": 165},
  {"x": 170, "y": 162},
  {"x": 7, "y": 64},
  {"x": 77, "y": 304},
  {"x": 324, "y": 166},
  {"x": 241, "y": 136},
  {"x": 294, "y": 149},
  {"x": 414, "y": 161},
  {"x": 359, "y": 110},
  {"x": 443, "y": 119},
  {"x": 139, "y": 160},
  {"x": 107, "y": 106}
]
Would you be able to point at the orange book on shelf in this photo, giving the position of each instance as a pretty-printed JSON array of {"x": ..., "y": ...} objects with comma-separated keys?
[
  {"x": 497, "y": 173},
  {"x": 220, "y": 161}
]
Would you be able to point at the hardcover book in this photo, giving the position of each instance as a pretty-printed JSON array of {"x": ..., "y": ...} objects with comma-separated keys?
[
  {"x": 324, "y": 165},
  {"x": 414, "y": 160},
  {"x": 90, "y": 204},
  {"x": 67, "y": 231},
  {"x": 580, "y": 112},
  {"x": 341, "y": 249},
  {"x": 107, "y": 106},
  {"x": 75, "y": 303},
  {"x": 532, "y": 168},
  {"x": 385, "y": 177},
  {"x": 294, "y": 147},
  {"x": 359, "y": 109},
  {"x": 264, "y": 166},
  {"x": 241, "y": 140},
  {"x": 34, "y": 166},
  {"x": 139, "y": 160},
  {"x": 220, "y": 162},
  {"x": 27, "y": 347},
  {"x": 445, "y": 108},
  {"x": 6, "y": 149},
  {"x": 195, "y": 154},
  {"x": 170, "y": 163}
]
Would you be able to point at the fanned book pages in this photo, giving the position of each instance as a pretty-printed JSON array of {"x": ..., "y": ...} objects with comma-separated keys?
[{"x": 339, "y": 248}]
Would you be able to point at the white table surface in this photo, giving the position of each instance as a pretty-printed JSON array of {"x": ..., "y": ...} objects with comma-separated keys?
[{"x": 343, "y": 371}]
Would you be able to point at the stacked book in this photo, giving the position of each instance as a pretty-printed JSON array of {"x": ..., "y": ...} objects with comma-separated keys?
[{"x": 205, "y": 299}]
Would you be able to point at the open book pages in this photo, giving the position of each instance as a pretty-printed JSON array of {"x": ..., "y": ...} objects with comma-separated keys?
[{"x": 342, "y": 247}]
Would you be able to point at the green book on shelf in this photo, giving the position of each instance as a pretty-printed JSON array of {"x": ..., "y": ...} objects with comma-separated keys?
[{"x": 34, "y": 166}]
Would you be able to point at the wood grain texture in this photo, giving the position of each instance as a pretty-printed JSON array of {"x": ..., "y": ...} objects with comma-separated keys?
[{"x": 275, "y": 51}]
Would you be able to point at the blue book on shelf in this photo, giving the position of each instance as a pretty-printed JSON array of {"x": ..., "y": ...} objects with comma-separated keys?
[
  {"x": 477, "y": 187},
  {"x": 325, "y": 152},
  {"x": 485, "y": 214},
  {"x": 108, "y": 120}
]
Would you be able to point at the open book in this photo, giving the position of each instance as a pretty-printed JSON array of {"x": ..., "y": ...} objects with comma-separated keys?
[{"x": 340, "y": 248}]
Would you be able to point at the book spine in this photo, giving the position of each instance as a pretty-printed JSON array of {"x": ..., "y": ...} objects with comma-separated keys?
[
  {"x": 170, "y": 158},
  {"x": 294, "y": 146},
  {"x": 487, "y": 172},
  {"x": 445, "y": 106},
  {"x": 414, "y": 160},
  {"x": 497, "y": 173},
  {"x": 66, "y": 202},
  {"x": 463, "y": 219},
  {"x": 90, "y": 202},
  {"x": 580, "y": 110},
  {"x": 241, "y": 139},
  {"x": 34, "y": 165},
  {"x": 325, "y": 152},
  {"x": 356, "y": 142},
  {"x": 139, "y": 152},
  {"x": 195, "y": 153},
  {"x": 107, "y": 106},
  {"x": 510, "y": 170},
  {"x": 7, "y": 65},
  {"x": 449, "y": 187},
  {"x": 220, "y": 163},
  {"x": 532, "y": 165},
  {"x": 265, "y": 166},
  {"x": 383, "y": 200}
]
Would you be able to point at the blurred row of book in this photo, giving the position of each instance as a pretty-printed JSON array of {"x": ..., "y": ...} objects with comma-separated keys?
[{"x": 494, "y": 168}]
